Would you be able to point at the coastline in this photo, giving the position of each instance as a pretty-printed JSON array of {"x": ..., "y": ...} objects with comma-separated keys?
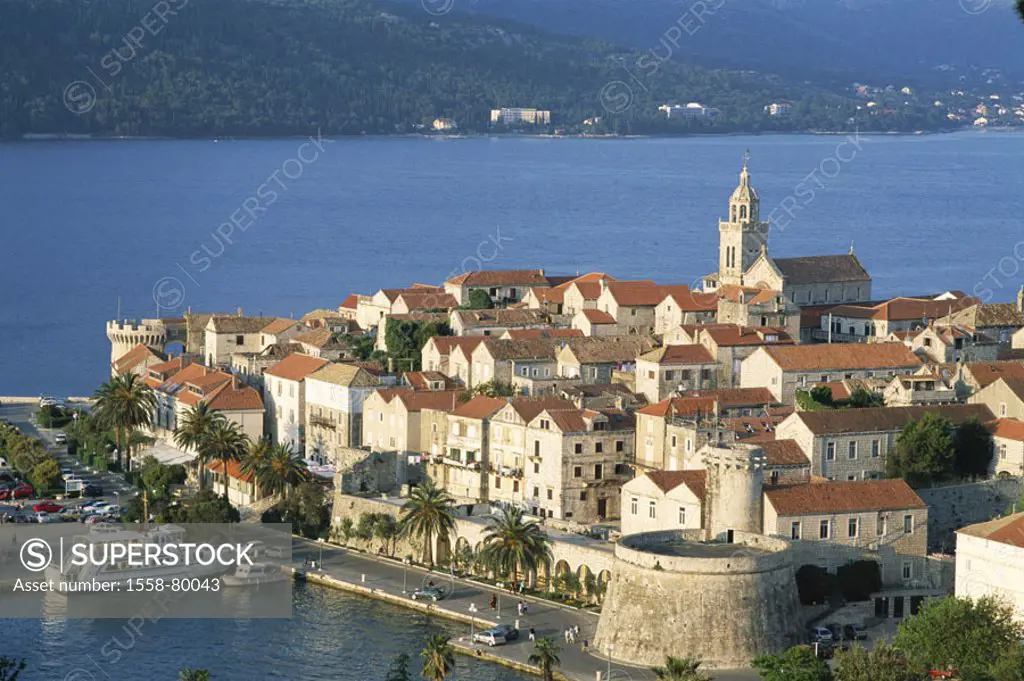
[{"x": 63, "y": 137}]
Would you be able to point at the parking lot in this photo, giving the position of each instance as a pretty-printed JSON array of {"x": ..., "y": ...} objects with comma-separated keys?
[{"x": 115, "y": 490}]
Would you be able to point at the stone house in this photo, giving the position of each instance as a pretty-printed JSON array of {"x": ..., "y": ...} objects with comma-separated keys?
[
  {"x": 250, "y": 366},
  {"x": 371, "y": 310},
  {"x": 391, "y": 418},
  {"x": 503, "y": 286},
  {"x": 1005, "y": 397},
  {"x": 1008, "y": 446},
  {"x": 552, "y": 300},
  {"x": 349, "y": 308},
  {"x": 990, "y": 561},
  {"x": 137, "y": 361},
  {"x": 435, "y": 355},
  {"x": 1017, "y": 340},
  {"x": 670, "y": 369},
  {"x": 602, "y": 396},
  {"x": 594, "y": 359},
  {"x": 785, "y": 369},
  {"x": 426, "y": 380},
  {"x": 495, "y": 322},
  {"x": 527, "y": 365},
  {"x": 429, "y": 301},
  {"x": 534, "y": 334},
  {"x": 785, "y": 462},
  {"x": 924, "y": 388},
  {"x": 576, "y": 463},
  {"x": 862, "y": 323},
  {"x": 693, "y": 307},
  {"x": 583, "y": 294},
  {"x": 833, "y": 523},
  {"x": 730, "y": 344},
  {"x": 812, "y": 280},
  {"x": 322, "y": 343},
  {"x": 999, "y": 321},
  {"x": 284, "y": 393},
  {"x": 329, "y": 319},
  {"x": 280, "y": 330},
  {"x": 179, "y": 385},
  {"x": 663, "y": 500},
  {"x": 335, "y": 394},
  {"x": 948, "y": 344},
  {"x": 594, "y": 322},
  {"x": 242, "y": 488},
  {"x": 973, "y": 376},
  {"x": 463, "y": 467},
  {"x": 852, "y": 444},
  {"x": 228, "y": 334},
  {"x": 672, "y": 431},
  {"x": 757, "y": 307},
  {"x": 632, "y": 304}
]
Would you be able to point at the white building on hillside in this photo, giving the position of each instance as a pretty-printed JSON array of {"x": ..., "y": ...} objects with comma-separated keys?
[{"x": 990, "y": 561}]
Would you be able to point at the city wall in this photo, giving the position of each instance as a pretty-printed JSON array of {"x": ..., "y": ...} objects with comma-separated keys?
[{"x": 955, "y": 506}]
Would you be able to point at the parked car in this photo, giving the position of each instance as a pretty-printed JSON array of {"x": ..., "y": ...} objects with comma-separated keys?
[
  {"x": 837, "y": 631},
  {"x": 70, "y": 514},
  {"x": 92, "y": 491},
  {"x": 499, "y": 635},
  {"x": 23, "y": 490},
  {"x": 428, "y": 593},
  {"x": 61, "y": 438},
  {"x": 47, "y": 507},
  {"x": 820, "y": 635},
  {"x": 854, "y": 632},
  {"x": 44, "y": 517}
]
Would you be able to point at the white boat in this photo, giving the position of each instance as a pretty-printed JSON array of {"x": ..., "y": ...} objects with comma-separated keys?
[
  {"x": 120, "y": 573},
  {"x": 254, "y": 575}
]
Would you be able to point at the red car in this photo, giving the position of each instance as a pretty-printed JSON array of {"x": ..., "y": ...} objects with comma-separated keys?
[
  {"x": 47, "y": 507},
  {"x": 23, "y": 491}
]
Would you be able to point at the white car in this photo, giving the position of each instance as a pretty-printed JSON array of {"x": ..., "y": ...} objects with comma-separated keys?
[
  {"x": 61, "y": 438},
  {"x": 44, "y": 517}
]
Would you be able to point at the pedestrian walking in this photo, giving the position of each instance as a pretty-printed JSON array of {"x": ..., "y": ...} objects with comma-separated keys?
[
  {"x": 566, "y": 635},
  {"x": 526, "y": 607},
  {"x": 519, "y": 608},
  {"x": 533, "y": 634},
  {"x": 522, "y": 586},
  {"x": 494, "y": 602},
  {"x": 585, "y": 645}
]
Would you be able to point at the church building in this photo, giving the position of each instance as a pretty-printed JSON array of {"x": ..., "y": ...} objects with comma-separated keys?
[{"x": 743, "y": 260}]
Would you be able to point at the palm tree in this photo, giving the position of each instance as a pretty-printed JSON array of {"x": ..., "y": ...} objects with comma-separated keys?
[
  {"x": 284, "y": 470},
  {"x": 681, "y": 669},
  {"x": 255, "y": 461},
  {"x": 193, "y": 675},
  {"x": 545, "y": 656},
  {"x": 226, "y": 442},
  {"x": 193, "y": 433},
  {"x": 427, "y": 514},
  {"x": 511, "y": 545},
  {"x": 123, "y": 404},
  {"x": 438, "y": 658}
]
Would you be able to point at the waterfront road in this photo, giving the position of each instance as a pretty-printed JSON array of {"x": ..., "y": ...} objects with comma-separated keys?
[{"x": 547, "y": 618}]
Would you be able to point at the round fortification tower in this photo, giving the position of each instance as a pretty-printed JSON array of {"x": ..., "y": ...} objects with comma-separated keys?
[
  {"x": 734, "y": 489},
  {"x": 125, "y": 335},
  {"x": 673, "y": 594}
]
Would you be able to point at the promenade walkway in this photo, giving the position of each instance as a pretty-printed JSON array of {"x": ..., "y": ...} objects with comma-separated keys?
[{"x": 390, "y": 578}]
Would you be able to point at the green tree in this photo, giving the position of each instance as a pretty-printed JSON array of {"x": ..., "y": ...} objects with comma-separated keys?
[
  {"x": 204, "y": 506},
  {"x": 479, "y": 299},
  {"x": 193, "y": 432},
  {"x": 226, "y": 442},
  {"x": 256, "y": 459},
  {"x": 123, "y": 404},
  {"x": 822, "y": 394},
  {"x": 861, "y": 398},
  {"x": 796, "y": 664},
  {"x": 283, "y": 471},
  {"x": 428, "y": 513},
  {"x": 346, "y": 529},
  {"x": 959, "y": 633},
  {"x": 158, "y": 478},
  {"x": 924, "y": 451},
  {"x": 512, "y": 546},
  {"x": 1008, "y": 667},
  {"x": 193, "y": 675},
  {"x": 399, "y": 669},
  {"x": 46, "y": 475},
  {"x": 306, "y": 509},
  {"x": 681, "y": 669},
  {"x": 11, "y": 668},
  {"x": 883, "y": 663},
  {"x": 972, "y": 445},
  {"x": 438, "y": 658},
  {"x": 545, "y": 657},
  {"x": 385, "y": 530}
]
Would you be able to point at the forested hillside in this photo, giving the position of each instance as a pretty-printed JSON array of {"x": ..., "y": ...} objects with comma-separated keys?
[{"x": 259, "y": 68}]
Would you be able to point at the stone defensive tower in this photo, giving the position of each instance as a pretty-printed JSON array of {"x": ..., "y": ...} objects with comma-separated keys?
[
  {"x": 155, "y": 334},
  {"x": 672, "y": 594},
  {"x": 734, "y": 489}
]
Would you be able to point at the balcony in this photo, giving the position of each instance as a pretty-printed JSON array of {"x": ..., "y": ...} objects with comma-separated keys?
[
  {"x": 836, "y": 337},
  {"x": 507, "y": 471},
  {"x": 323, "y": 422}
]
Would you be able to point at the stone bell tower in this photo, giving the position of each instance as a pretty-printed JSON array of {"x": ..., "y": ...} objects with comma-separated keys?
[{"x": 741, "y": 236}]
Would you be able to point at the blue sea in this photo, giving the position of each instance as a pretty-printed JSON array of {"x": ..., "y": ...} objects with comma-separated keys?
[{"x": 97, "y": 229}]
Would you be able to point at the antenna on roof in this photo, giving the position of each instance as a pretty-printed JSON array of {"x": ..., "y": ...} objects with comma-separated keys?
[{"x": 118, "y": 308}]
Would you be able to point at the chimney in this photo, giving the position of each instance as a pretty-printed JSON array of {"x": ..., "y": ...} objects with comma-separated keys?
[
  {"x": 1020, "y": 299},
  {"x": 604, "y": 284},
  {"x": 239, "y": 310}
]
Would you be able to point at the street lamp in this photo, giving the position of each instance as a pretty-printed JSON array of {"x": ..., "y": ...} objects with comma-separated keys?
[
  {"x": 320, "y": 562},
  {"x": 472, "y": 621},
  {"x": 405, "y": 575},
  {"x": 610, "y": 648}
]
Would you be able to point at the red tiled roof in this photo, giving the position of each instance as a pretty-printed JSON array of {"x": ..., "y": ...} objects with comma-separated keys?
[
  {"x": 752, "y": 295},
  {"x": 782, "y": 452},
  {"x": 134, "y": 357},
  {"x": 1009, "y": 429},
  {"x": 421, "y": 380},
  {"x": 1008, "y": 530},
  {"x": 730, "y": 335},
  {"x": 480, "y": 407},
  {"x": 234, "y": 470},
  {"x": 667, "y": 481},
  {"x": 843, "y": 356},
  {"x": 680, "y": 406},
  {"x": 350, "y": 303},
  {"x": 643, "y": 293},
  {"x": 736, "y": 397},
  {"x": 695, "y": 301},
  {"x": 231, "y": 397},
  {"x": 529, "y": 407},
  {"x": 843, "y": 497},
  {"x": 598, "y": 317},
  {"x": 445, "y": 344},
  {"x": 679, "y": 354},
  {"x": 279, "y": 325},
  {"x": 878, "y": 419},
  {"x": 296, "y": 367},
  {"x": 500, "y": 278},
  {"x": 986, "y": 373},
  {"x": 415, "y": 300}
]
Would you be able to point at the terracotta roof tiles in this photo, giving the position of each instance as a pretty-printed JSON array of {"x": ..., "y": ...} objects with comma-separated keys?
[
  {"x": 840, "y": 356},
  {"x": 296, "y": 367},
  {"x": 823, "y": 498},
  {"x": 667, "y": 481}
]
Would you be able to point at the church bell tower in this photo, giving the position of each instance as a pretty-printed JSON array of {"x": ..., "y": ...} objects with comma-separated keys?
[{"x": 741, "y": 236}]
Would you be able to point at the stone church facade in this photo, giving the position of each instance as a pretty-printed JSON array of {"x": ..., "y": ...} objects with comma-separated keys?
[{"x": 743, "y": 259}]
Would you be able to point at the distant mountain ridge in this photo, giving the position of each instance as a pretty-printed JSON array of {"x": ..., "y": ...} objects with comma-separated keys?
[{"x": 917, "y": 40}]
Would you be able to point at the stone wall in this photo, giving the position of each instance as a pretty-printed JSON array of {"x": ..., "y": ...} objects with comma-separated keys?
[
  {"x": 725, "y": 610},
  {"x": 364, "y": 472},
  {"x": 956, "y": 506}
]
